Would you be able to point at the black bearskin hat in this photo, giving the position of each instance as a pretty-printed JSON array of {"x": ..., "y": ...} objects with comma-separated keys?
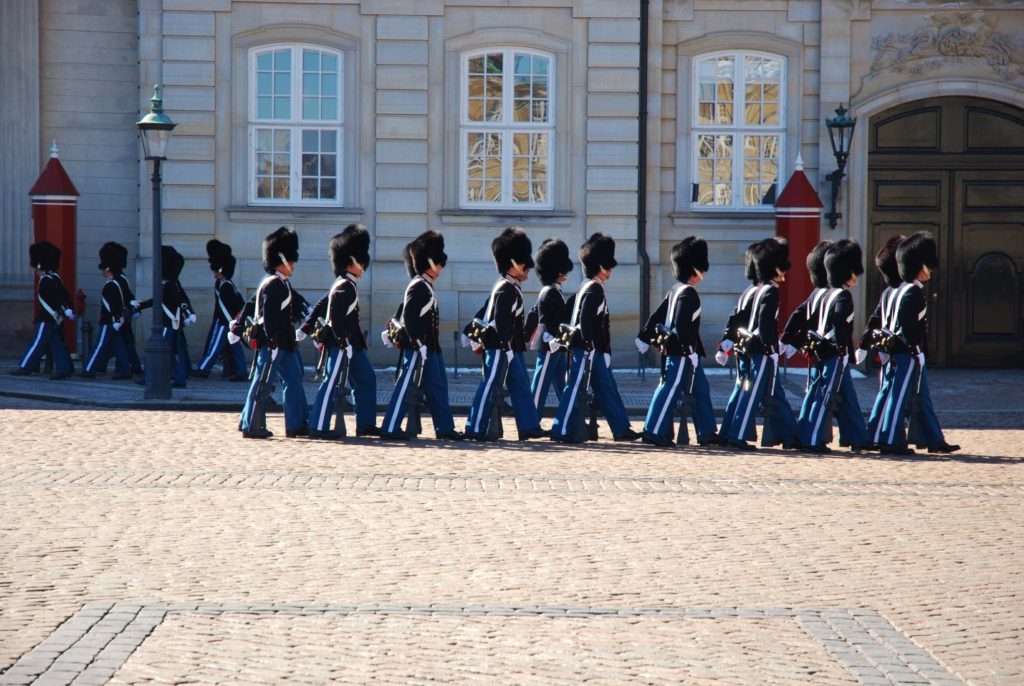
[
  {"x": 843, "y": 261},
  {"x": 689, "y": 256},
  {"x": 410, "y": 267},
  {"x": 816, "y": 264},
  {"x": 227, "y": 266},
  {"x": 770, "y": 257},
  {"x": 552, "y": 260},
  {"x": 597, "y": 253},
  {"x": 171, "y": 263},
  {"x": 44, "y": 255},
  {"x": 113, "y": 256},
  {"x": 217, "y": 252},
  {"x": 885, "y": 260},
  {"x": 352, "y": 244},
  {"x": 278, "y": 247},
  {"x": 748, "y": 264},
  {"x": 512, "y": 245},
  {"x": 916, "y": 252},
  {"x": 426, "y": 248}
]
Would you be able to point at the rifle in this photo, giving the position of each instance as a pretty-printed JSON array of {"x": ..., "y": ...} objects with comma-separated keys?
[
  {"x": 497, "y": 400},
  {"x": 685, "y": 405},
  {"x": 769, "y": 409},
  {"x": 590, "y": 398},
  {"x": 340, "y": 397},
  {"x": 414, "y": 399},
  {"x": 261, "y": 393}
]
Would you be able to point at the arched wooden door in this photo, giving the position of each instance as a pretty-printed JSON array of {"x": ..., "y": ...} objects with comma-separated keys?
[{"x": 955, "y": 167}]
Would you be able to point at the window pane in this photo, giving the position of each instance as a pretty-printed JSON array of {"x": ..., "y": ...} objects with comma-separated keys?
[
  {"x": 476, "y": 65},
  {"x": 329, "y": 109},
  {"x": 493, "y": 110},
  {"x": 524, "y": 64},
  {"x": 760, "y": 169},
  {"x": 492, "y": 191},
  {"x": 264, "y": 108},
  {"x": 520, "y": 191},
  {"x": 311, "y": 165},
  {"x": 282, "y": 84},
  {"x": 282, "y": 188},
  {"x": 476, "y": 109},
  {"x": 310, "y": 141},
  {"x": 493, "y": 87},
  {"x": 327, "y": 165},
  {"x": 328, "y": 189},
  {"x": 483, "y": 162},
  {"x": 309, "y": 188},
  {"x": 329, "y": 84},
  {"x": 265, "y": 62},
  {"x": 282, "y": 164},
  {"x": 264, "y": 83},
  {"x": 329, "y": 62},
  {"x": 529, "y": 164},
  {"x": 263, "y": 188},
  {"x": 282, "y": 108},
  {"x": 714, "y": 169},
  {"x": 283, "y": 60},
  {"x": 310, "y": 60},
  {"x": 263, "y": 163},
  {"x": 282, "y": 140},
  {"x": 494, "y": 63},
  {"x": 327, "y": 141},
  {"x": 310, "y": 108},
  {"x": 310, "y": 84}
]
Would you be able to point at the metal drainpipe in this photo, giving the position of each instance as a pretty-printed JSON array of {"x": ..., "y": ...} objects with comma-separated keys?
[{"x": 641, "y": 183}]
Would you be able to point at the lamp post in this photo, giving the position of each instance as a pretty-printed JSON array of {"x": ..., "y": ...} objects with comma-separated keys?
[
  {"x": 155, "y": 129},
  {"x": 840, "y": 132}
]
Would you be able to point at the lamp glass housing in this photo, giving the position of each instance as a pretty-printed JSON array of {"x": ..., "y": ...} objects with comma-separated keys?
[{"x": 156, "y": 128}]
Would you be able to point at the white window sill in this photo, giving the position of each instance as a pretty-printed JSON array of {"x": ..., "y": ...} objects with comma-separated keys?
[
  {"x": 294, "y": 213},
  {"x": 500, "y": 216}
]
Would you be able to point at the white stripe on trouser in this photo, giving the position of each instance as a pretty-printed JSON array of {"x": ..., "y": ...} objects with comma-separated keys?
[
  {"x": 572, "y": 397},
  {"x": 671, "y": 394},
  {"x": 214, "y": 340},
  {"x": 881, "y": 418},
  {"x": 329, "y": 390},
  {"x": 540, "y": 381},
  {"x": 753, "y": 394},
  {"x": 486, "y": 388},
  {"x": 35, "y": 344},
  {"x": 401, "y": 394},
  {"x": 833, "y": 387},
  {"x": 897, "y": 421},
  {"x": 99, "y": 346}
]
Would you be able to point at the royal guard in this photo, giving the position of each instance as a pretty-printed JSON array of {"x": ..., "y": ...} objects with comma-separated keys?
[
  {"x": 758, "y": 340},
  {"x": 54, "y": 308},
  {"x": 674, "y": 328},
  {"x": 588, "y": 336},
  {"x": 878, "y": 333},
  {"x": 725, "y": 353},
  {"x": 830, "y": 329},
  {"x": 553, "y": 267},
  {"x": 917, "y": 258},
  {"x": 337, "y": 329},
  {"x": 174, "y": 313},
  {"x": 132, "y": 312},
  {"x": 271, "y": 330},
  {"x": 417, "y": 333},
  {"x": 794, "y": 334},
  {"x": 500, "y": 331},
  {"x": 112, "y": 317},
  {"x": 227, "y": 305}
]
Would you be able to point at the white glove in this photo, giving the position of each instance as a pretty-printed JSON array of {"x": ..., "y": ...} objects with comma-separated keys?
[
  {"x": 860, "y": 355},
  {"x": 70, "y": 314},
  {"x": 546, "y": 337},
  {"x": 608, "y": 360},
  {"x": 423, "y": 352},
  {"x": 348, "y": 352},
  {"x": 117, "y": 326},
  {"x": 693, "y": 358},
  {"x": 475, "y": 346},
  {"x": 191, "y": 319},
  {"x": 641, "y": 346},
  {"x": 509, "y": 354},
  {"x": 722, "y": 358},
  {"x": 788, "y": 351},
  {"x": 725, "y": 345},
  {"x": 300, "y": 335},
  {"x": 135, "y": 304},
  {"x": 465, "y": 341},
  {"x": 883, "y": 358},
  {"x": 920, "y": 358},
  {"x": 318, "y": 346},
  {"x": 553, "y": 345},
  {"x": 232, "y": 338},
  {"x": 775, "y": 358},
  {"x": 387, "y": 341},
  {"x": 136, "y": 314}
]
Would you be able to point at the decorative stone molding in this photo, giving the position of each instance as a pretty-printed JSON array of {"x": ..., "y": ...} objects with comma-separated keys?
[{"x": 949, "y": 38}]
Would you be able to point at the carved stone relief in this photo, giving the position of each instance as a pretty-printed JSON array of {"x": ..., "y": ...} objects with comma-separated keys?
[{"x": 945, "y": 38}]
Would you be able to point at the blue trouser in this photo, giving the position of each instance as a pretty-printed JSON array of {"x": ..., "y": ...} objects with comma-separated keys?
[
  {"x": 183, "y": 349},
  {"x": 284, "y": 364},
  {"x": 48, "y": 337},
  {"x": 742, "y": 374},
  {"x": 680, "y": 371},
  {"x": 875, "y": 418},
  {"x": 109, "y": 341},
  {"x": 435, "y": 390},
  {"x": 763, "y": 380},
  {"x": 567, "y": 422},
  {"x": 548, "y": 372},
  {"x": 179, "y": 370},
  {"x": 128, "y": 332},
  {"x": 363, "y": 381},
  {"x": 835, "y": 383},
  {"x": 813, "y": 381},
  {"x": 904, "y": 376},
  {"x": 218, "y": 343},
  {"x": 495, "y": 364}
]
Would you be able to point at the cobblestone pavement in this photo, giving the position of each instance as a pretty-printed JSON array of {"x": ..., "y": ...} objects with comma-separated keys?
[{"x": 159, "y": 547}]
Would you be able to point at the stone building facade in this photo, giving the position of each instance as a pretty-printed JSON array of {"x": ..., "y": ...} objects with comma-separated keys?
[{"x": 466, "y": 116}]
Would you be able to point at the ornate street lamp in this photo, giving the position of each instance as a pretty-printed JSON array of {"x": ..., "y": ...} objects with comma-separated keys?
[
  {"x": 840, "y": 132},
  {"x": 156, "y": 128}
]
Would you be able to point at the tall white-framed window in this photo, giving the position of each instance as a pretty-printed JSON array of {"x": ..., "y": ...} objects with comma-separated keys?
[
  {"x": 738, "y": 130},
  {"x": 507, "y": 128},
  {"x": 296, "y": 125}
]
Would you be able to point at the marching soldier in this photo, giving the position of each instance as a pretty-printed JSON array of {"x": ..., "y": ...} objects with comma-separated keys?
[
  {"x": 590, "y": 347},
  {"x": 759, "y": 341},
  {"x": 675, "y": 328},
  {"x": 227, "y": 304},
  {"x": 831, "y": 329},
  {"x": 54, "y": 308},
  {"x": 916, "y": 258},
  {"x": 500, "y": 331},
  {"x": 729, "y": 336},
  {"x": 112, "y": 317},
  {"x": 419, "y": 337},
  {"x": 272, "y": 329},
  {"x": 132, "y": 312},
  {"x": 341, "y": 335},
  {"x": 174, "y": 313},
  {"x": 878, "y": 332},
  {"x": 553, "y": 267}
]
